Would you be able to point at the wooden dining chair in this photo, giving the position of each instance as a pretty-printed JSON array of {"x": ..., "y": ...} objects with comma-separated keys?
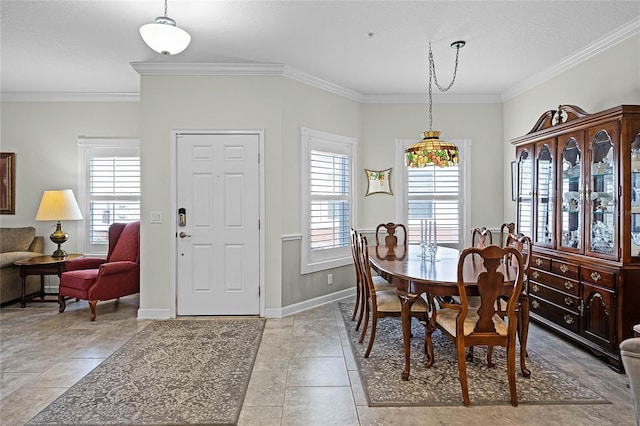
[
  {"x": 524, "y": 246},
  {"x": 481, "y": 237},
  {"x": 381, "y": 304},
  {"x": 391, "y": 239},
  {"x": 506, "y": 229},
  {"x": 379, "y": 283},
  {"x": 483, "y": 326}
]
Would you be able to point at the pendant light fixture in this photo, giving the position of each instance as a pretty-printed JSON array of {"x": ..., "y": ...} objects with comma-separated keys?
[
  {"x": 431, "y": 150},
  {"x": 164, "y": 36}
]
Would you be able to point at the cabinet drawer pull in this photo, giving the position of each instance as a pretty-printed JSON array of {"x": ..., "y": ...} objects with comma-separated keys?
[
  {"x": 568, "y": 301},
  {"x": 535, "y": 274},
  {"x": 568, "y": 285},
  {"x": 535, "y": 304},
  {"x": 568, "y": 319},
  {"x": 535, "y": 288},
  {"x": 596, "y": 276},
  {"x": 538, "y": 261},
  {"x": 564, "y": 268}
]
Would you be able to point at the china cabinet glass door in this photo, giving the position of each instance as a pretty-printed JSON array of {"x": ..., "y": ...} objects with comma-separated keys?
[
  {"x": 544, "y": 195},
  {"x": 525, "y": 193},
  {"x": 571, "y": 190},
  {"x": 635, "y": 197},
  {"x": 602, "y": 196}
]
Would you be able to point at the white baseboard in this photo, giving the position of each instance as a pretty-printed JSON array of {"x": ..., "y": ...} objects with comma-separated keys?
[
  {"x": 310, "y": 304},
  {"x": 154, "y": 314}
]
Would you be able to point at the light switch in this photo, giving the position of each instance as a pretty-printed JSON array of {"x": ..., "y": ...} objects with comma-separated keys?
[{"x": 156, "y": 217}]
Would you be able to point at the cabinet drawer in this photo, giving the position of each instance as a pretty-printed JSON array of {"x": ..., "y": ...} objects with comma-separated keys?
[
  {"x": 542, "y": 263},
  {"x": 559, "y": 283},
  {"x": 599, "y": 277},
  {"x": 562, "y": 317},
  {"x": 561, "y": 299},
  {"x": 565, "y": 269}
]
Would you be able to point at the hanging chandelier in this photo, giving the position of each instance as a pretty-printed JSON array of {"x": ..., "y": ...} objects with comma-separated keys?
[
  {"x": 431, "y": 150},
  {"x": 164, "y": 36}
]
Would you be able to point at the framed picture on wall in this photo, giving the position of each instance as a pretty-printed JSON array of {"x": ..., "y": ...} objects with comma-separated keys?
[
  {"x": 7, "y": 183},
  {"x": 378, "y": 181}
]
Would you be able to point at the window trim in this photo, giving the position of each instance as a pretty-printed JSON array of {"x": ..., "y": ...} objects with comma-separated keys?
[
  {"x": 316, "y": 139},
  {"x": 464, "y": 147},
  {"x": 84, "y": 148}
]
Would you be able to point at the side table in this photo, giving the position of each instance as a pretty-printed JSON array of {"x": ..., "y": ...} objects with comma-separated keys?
[{"x": 42, "y": 265}]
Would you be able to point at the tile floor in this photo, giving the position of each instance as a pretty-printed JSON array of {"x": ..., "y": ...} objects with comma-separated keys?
[{"x": 304, "y": 373}]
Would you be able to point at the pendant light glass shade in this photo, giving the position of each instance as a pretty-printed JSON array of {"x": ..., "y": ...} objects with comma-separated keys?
[
  {"x": 432, "y": 151},
  {"x": 164, "y": 36}
]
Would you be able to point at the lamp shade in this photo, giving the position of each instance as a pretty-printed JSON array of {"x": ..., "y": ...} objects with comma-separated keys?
[
  {"x": 164, "y": 36},
  {"x": 58, "y": 205},
  {"x": 432, "y": 151}
]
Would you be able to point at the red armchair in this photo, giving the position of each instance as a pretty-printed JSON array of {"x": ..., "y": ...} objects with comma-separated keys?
[{"x": 94, "y": 279}]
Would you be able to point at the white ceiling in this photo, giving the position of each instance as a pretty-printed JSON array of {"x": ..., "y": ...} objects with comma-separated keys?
[{"x": 88, "y": 46}]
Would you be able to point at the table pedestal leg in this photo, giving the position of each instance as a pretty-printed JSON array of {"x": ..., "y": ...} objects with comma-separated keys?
[{"x": 406, "y": 300}]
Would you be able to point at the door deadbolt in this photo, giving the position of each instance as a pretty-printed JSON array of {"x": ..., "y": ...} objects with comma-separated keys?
[{"x": 183, "y": 235}]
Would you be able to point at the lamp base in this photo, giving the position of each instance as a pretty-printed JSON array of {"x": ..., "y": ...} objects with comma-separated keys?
[
  {"x": 59, "y": 253},
  {"x": 59, "y": 237}
]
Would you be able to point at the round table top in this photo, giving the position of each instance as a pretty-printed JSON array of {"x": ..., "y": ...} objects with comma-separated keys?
[
  {"x": 46, "y": 259},
  {"x": 407, "y": 264}
]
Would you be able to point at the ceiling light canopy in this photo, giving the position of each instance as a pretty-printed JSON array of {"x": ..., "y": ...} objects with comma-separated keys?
[
  {"x": 431, "y": 150},
  {"x": 164, "y": 36}
]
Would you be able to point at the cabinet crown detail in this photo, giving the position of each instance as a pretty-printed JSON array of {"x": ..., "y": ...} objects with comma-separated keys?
[{"x": 553, "y": 117}]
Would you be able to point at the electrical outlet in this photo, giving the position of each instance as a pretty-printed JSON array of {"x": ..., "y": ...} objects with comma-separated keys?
[{"x": 329, "y": 279}]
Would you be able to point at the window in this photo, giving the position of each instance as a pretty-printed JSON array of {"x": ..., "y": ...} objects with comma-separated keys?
[
  {"x": 108, "y": 188},
  {"x": 327, "y": 199},
  {"x": 434, "y": 193}
]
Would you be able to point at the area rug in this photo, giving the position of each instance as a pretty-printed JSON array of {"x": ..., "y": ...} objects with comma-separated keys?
[
  {"x": 171, "y": 372},
  {"x": 440, "y": 384}
]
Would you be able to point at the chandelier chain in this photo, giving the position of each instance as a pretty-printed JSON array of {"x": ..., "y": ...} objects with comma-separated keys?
[
  {"x": 433, "y": 78},
  {"x": 165, "y": 8}
]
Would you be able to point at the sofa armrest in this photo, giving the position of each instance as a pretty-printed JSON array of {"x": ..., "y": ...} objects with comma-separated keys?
[
  {"x": 37, "y": 245},
  {"x": 84, "y": 263}
]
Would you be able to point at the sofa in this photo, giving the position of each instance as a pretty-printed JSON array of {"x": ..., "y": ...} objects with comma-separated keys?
[{"x": 17, "y": 244}]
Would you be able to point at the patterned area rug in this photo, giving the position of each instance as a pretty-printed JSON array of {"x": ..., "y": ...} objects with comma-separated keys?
[
  {"x": 171, "y": 372},
  {"x": 440, "y": 384}
]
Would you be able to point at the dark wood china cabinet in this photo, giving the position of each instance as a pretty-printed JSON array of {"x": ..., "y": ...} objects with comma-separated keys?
[{"x": 578, "y": 182}]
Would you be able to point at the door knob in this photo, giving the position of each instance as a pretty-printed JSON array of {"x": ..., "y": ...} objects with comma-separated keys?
[{"x": 183, "y": 235}]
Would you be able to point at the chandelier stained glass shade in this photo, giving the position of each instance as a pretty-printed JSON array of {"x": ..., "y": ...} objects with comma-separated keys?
[{"x": 432, "y": 151}]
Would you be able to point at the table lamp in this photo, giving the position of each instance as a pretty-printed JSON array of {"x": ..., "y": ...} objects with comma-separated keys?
[{"x": 58, "y": 205}]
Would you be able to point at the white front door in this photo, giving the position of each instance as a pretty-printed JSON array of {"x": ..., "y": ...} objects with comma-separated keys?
[{"x": 218, "y": 243}]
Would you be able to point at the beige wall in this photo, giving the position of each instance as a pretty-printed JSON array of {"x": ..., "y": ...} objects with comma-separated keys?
[
  {"x": 606, "y": 80},
  {"x": 44, "y": 136}
]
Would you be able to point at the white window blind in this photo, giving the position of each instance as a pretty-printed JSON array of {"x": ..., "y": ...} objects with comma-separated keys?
[
  {"x": 434, "y": 194},
  {"x": 109, "y": 190},
  {"x": 330, "y": 195},
  {"x": 327, "y": 199}
]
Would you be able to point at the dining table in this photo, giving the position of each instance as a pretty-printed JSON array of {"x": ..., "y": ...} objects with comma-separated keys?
[{"x": 413, "y": 275}]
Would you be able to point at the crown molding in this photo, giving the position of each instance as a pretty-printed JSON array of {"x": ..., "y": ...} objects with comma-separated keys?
[
  {"x": 625, "y": 32},
  {"x": 237, "y": 69},
  {"x": 437, "y": 99},
  {"x": 69, "y": 97}
]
